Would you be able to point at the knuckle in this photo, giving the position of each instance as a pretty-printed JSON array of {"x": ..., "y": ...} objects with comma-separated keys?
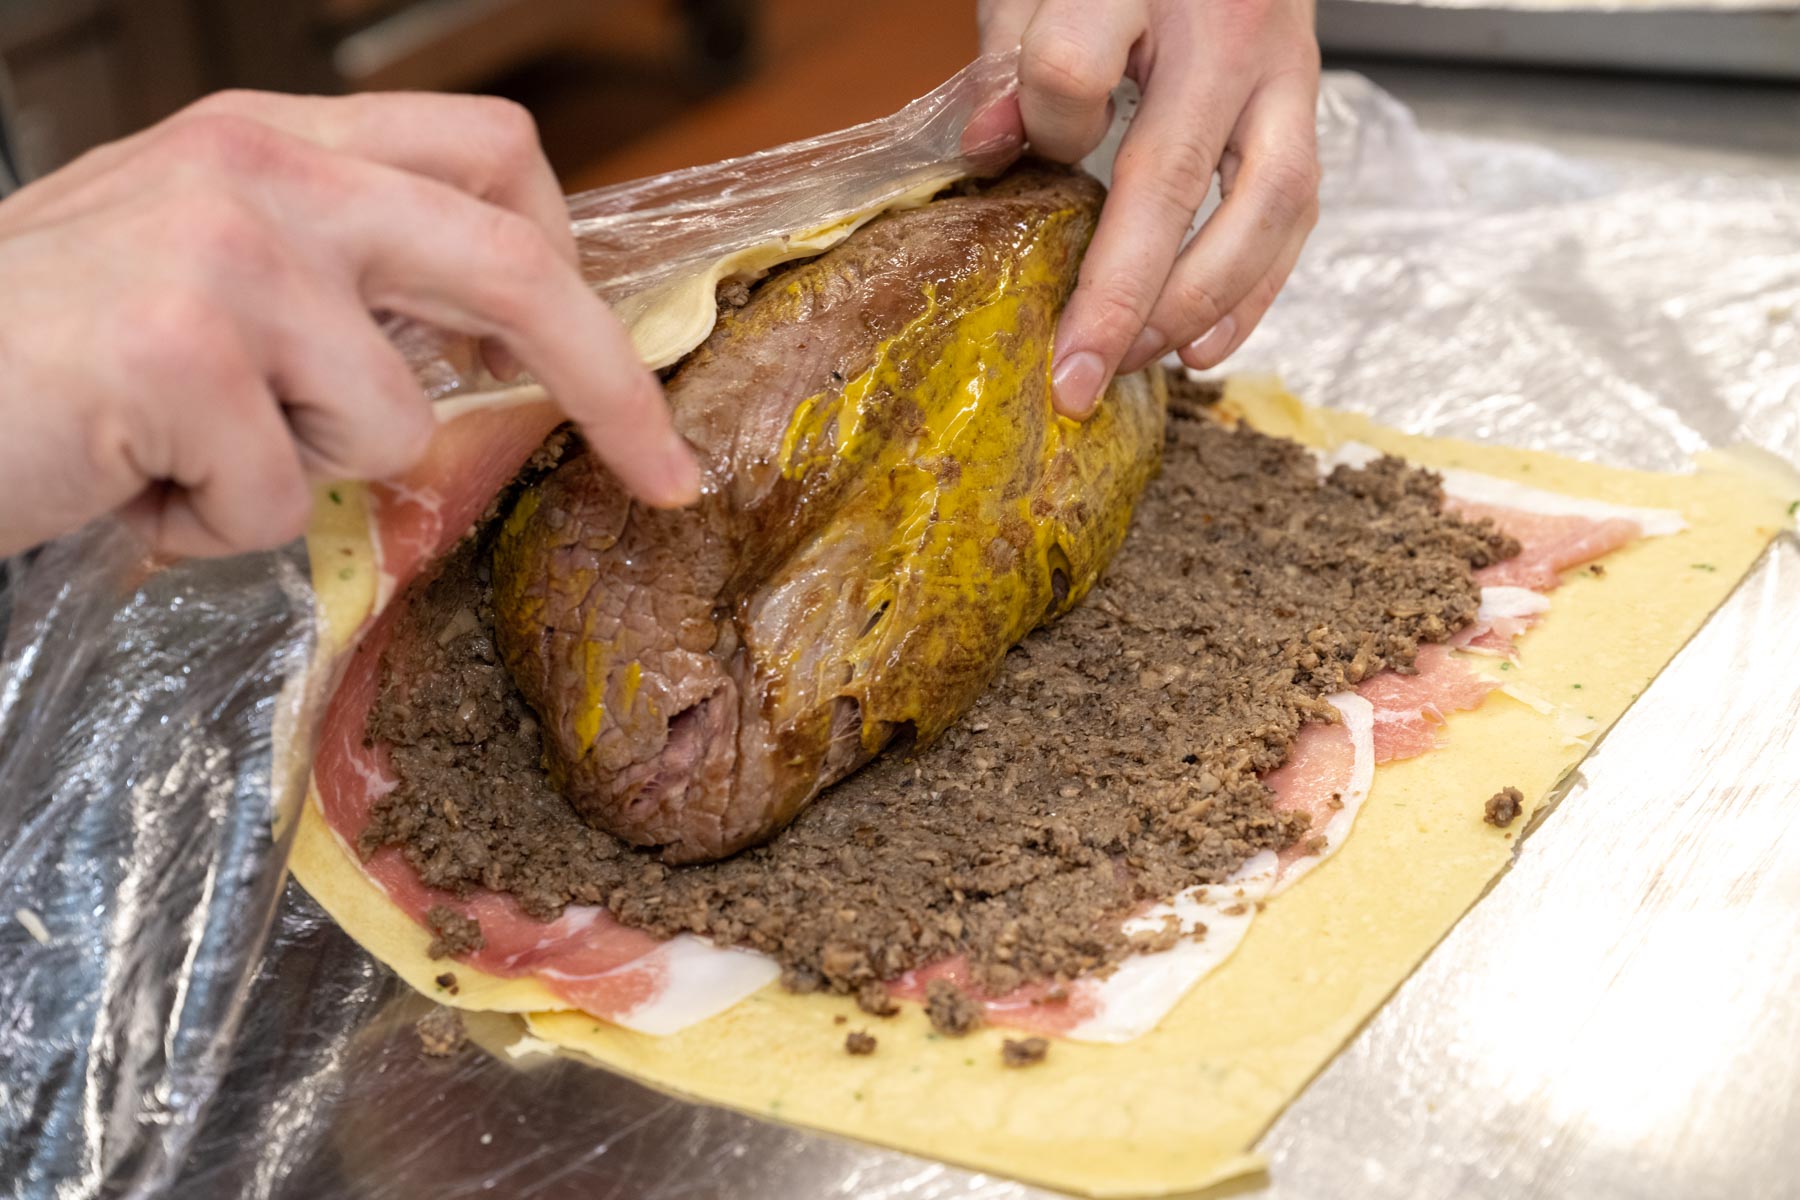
[
  {"x": 227, "y": 143},
  {"x": 1199, "y": 308},
  {"x": 1055, "y": 62},
  {"x": 519, "y": 262},
  {"x": 511, "y": 127},
  {"x": 1240, "y": 20},
  {"x": 176, "y": 333},
  {"x": 227, "y": 102},
  {"x": 1288, "y": 187},
  {"x": 216, "y": 231},
  {"x": 1116, "y": 314},
  {"x": 1175, "y": 179}
]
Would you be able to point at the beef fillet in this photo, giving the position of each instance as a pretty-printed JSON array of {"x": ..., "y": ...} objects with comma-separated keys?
[{"x": 890, "y": 505}]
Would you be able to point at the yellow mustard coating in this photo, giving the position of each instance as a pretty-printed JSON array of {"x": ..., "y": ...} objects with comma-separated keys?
[{"x": 937, "y": 590}]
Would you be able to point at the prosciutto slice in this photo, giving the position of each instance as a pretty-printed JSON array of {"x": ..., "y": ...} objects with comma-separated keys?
[
  {"x": 1505, "y": 613},
  {"x": 584, "y": 956},
  {"x": 1411, "y": 709}
]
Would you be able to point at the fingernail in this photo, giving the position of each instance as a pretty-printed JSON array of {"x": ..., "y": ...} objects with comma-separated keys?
[
  {"x": 1210, "y": 346},
  {"x": 1147, "y": 348},
  {"x": 1077, "y": 381},
  {"x": 680, "y": 475}
]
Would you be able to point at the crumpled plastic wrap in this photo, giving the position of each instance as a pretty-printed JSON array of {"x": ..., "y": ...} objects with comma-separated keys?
[
  {"x": 1608, "y": 310},
  {"x": 140, "y": 867},
  {"x": 638, "y": 238}
]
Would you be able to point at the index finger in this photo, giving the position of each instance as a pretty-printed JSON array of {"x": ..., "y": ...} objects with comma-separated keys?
[
  {"x": 482, "y": 145},
  {"x": 1160, "y": 177},
  {"x": 430, "y": 252}
]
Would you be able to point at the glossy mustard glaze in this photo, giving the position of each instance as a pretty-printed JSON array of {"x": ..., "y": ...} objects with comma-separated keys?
[
  {"x": 881, "y": 538},
  {"x": 937, "y": 590}
]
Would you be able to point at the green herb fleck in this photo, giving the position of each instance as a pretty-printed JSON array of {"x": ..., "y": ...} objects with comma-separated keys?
[
  {"x": 1506, "y": 666},
  {"x": 1794, "y": 508},
  {"x": 968, "y": 1062},
  {"x": 1576, "y": 686},
  {"x": 348, "y": 573},
  {"x": 1703, "y": 566},
  {"x": 336, "y": 496},
  {"x": 857, "y": 1095}
]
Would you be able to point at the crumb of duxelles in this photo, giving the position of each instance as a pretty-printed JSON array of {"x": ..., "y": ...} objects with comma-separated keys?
[
  {"x": 1136, "y": 729},
  {"x": 1504, "y": 807},
  {"x": 950, "y": 1009},
  {"x": 452, "y": 934},
  {"x": 1023, "y": 1052},
  {"x": 441, "y": 1032}
]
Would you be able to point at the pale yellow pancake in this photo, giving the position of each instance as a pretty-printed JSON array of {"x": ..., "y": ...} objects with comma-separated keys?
[{"x": 1181, "y": 1107}]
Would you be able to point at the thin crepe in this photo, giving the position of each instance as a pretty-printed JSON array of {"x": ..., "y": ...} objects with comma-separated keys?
[{"x": 1179, "y": 1108}]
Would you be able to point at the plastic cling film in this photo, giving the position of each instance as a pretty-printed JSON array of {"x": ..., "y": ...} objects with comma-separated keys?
[
  {"x": 139, "y": 868},
  {"x": 644, "y": 240},
  {"x": 144, "y": 708}
]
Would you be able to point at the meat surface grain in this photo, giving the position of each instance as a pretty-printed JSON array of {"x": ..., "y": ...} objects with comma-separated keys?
[{"x": 890, "y": 505}]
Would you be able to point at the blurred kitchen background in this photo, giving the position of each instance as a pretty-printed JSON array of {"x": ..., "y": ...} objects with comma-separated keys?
[{"x": 623, "y": 88}]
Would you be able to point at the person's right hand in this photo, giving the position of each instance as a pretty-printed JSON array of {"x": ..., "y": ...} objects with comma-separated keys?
[{"x": 185, "y": 316}]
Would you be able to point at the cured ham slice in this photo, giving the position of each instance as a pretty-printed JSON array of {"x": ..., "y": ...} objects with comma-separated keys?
[
  {"x": 1410, "y": 709},
  {"x": 1549, "y": 545},
  {"x": 1328, "y": 776},
  {"x": 477, "y": 449},
  {"x": 1505, "y": 613},
  {"x": 1555, "y": 531},
  {"x": 589, "y": 959}
]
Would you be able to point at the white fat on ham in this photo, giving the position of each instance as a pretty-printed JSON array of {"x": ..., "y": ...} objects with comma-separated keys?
[
  {"x": 1145, "y": 987},
  {"x": 1510, "y": 602},
  {"x": 1476, "y": 488},
  {"x": 694, "y": 980},
  {"x": 1142, "y": 990},
  {"x": 1359, "y": 721},
  {"x": 1505, "y": 611}
]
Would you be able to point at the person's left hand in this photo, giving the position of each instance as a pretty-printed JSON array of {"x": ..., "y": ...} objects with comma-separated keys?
[{"x": 1229, "y": 86}]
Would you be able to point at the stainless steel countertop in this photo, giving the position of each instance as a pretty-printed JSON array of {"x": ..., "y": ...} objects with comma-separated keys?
[
  {"x": 1620, "y": 1015},
  {"x": 1751, "y": 126}
]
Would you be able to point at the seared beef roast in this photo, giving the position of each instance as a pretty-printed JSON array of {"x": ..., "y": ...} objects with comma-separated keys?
[{"x": 890, "y": 505}]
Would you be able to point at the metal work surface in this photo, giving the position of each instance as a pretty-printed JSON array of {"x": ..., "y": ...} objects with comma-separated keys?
[
  {"x": 1758, "y": 39},
  {"x": 1607, "y": 269},
  {"x": 1617, "y": 1017}
]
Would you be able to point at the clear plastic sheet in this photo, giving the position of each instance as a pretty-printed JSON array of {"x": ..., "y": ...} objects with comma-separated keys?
[
  {"x": 1611, "y": 310},
  {"x": 140, "y": 709},
  {"x": 639, "y": 237}
]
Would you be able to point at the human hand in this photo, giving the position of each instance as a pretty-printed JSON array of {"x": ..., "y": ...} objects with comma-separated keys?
[
  {"x": 186, "y": 334},
  {"x": 1229, "y": 86}
]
